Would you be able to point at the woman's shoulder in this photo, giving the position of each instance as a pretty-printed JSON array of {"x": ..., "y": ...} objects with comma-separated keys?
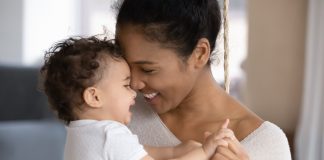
[
  {"x": 246, "y": 124},
  {"x": 268, "y": 140},
  {"x": 266, "y": 130}
]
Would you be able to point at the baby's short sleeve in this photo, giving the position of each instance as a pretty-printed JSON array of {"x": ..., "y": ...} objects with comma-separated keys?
[{"x": 121, "y": 144}]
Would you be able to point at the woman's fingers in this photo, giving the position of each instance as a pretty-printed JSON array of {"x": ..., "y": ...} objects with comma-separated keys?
[
  {"x": 233, "y": 146},
  {"x": 211, "y": 145},
  {"x": 218, "y": 156},
  {"x": 224, "y": 153},
  {"x": 233, "y": 150},
  {"x": 227, "y": 153},
  {"x": 230, "y": 149}
]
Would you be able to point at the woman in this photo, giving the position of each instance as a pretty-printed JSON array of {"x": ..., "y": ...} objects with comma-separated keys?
[{"x": 168, "y": 45}]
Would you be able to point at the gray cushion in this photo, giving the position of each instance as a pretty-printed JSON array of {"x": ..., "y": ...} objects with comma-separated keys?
[
  {"x": 32, "y": 140},
  {"x": 20, "y": 98}
]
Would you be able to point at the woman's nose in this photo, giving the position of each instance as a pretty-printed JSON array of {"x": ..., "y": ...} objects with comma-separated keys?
[{"x": 137, "y": 83}]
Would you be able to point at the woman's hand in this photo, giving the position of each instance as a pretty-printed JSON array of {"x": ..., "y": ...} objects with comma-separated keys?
[{"x": 234, "y": 151}]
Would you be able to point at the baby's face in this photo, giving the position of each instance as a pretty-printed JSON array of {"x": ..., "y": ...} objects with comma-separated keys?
[{"x": 115, "y": 88}]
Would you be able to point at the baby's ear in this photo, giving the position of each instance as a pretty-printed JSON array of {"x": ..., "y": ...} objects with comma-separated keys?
[{"x": 91, "y": 97}]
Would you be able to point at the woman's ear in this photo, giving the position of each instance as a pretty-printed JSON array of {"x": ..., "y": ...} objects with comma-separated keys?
[
  {"x": 201, "y": 53},
  {"x": 92, "y": 98}
]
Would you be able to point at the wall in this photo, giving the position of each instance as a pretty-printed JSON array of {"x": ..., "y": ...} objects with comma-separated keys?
[
  {"x": 97, "y": 14},
  {"x": 275, "y": 62},
  {"x": 46, "y": 22},
  {"x": 29, "y": 27},
  {"x": 11, "y": 18}
]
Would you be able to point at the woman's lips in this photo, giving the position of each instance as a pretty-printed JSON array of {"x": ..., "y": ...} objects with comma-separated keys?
[{"x": 150, "y": 96}]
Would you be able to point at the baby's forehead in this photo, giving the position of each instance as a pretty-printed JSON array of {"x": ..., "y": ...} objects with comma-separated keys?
[
  {"x": 114, "y": 65},
  {"x": 108, "y": 59}
]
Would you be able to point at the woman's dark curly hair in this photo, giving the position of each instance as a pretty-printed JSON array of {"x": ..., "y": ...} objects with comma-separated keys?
[{"x": 70, "y": 67}]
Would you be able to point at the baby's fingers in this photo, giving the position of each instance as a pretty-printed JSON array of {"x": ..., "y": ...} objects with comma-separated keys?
[
  {"x": 225, "y": 124},
  {"x": 223, "y": 133},
  {"x": 206, "y": 135}
]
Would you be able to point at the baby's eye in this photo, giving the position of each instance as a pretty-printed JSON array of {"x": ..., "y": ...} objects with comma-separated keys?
[{"x": 127, "y": 86}]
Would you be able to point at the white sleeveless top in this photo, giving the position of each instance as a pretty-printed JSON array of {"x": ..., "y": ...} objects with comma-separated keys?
[{"x": 268, "y": 142}]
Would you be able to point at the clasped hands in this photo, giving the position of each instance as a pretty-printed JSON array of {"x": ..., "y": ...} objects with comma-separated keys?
[{"x": 222, "y": 145}]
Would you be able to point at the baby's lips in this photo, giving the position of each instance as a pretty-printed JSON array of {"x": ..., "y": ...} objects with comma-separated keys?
[{"x": 133, "y": 103}]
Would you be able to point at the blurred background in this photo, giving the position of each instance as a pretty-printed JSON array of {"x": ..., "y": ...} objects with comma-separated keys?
[{"x": 276, "y": 68}]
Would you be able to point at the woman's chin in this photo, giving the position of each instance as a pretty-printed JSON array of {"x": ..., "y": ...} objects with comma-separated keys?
[
  {"x": 160, "y": 109},
  {"x": 157, "y": 104}
]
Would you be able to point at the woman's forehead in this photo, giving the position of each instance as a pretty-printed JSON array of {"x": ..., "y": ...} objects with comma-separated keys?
[{"x": 139, "y": 50}]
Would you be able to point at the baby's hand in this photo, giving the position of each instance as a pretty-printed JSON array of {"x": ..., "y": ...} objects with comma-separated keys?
[
  {"x": 186, "y": 147},
  {"x": 212, "y": 141}
]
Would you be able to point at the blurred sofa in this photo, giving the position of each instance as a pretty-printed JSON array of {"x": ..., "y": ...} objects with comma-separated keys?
[{"x": 28, "y": 129}]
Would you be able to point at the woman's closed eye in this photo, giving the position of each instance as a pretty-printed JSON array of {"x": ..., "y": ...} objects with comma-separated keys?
[{"x": 148, "y": 70}]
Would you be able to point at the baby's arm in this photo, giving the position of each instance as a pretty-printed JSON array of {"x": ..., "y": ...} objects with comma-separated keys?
[
  {"x": 188, "y": 151},
  {"x": 168, "y": 153},
  {"x": 160, "y": 152},
  {"x": 172, "y": 152},
  {"x": 192, "y": 150}
]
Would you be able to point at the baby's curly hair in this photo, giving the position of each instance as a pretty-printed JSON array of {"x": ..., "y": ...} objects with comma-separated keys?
[{"x": 70, "y": 67}]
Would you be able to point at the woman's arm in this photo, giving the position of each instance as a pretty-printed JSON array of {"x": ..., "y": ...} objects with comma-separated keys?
[{"x": 233, "y": 151}]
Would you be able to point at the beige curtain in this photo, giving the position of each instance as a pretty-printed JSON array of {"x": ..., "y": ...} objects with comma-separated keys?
[{"x": 310, "y": 133}]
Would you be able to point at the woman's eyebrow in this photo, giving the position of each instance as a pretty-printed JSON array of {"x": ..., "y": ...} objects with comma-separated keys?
[{"x": 143, "y": 62}]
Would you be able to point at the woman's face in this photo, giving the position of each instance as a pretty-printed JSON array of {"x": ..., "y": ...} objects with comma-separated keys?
[{"x": 164, "y": 79}]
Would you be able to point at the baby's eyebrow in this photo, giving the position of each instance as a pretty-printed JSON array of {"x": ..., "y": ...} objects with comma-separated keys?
[{"x": 127, "y": 78}]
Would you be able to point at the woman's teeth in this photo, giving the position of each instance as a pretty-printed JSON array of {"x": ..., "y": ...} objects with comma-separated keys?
[{"x": 150, "y": 96}]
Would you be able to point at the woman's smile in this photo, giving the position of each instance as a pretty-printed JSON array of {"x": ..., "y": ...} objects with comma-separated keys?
[{"x": 151, "y": 97}]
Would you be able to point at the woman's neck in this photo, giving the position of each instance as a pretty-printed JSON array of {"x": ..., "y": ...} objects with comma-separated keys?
[{"x": 206, "y": 97}]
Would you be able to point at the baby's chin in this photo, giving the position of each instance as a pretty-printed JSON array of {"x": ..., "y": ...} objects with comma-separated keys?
[{"x": 128, "y": 119}]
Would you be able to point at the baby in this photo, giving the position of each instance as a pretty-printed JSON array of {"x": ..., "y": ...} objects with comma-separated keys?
[{"x": 88, "y": 85}]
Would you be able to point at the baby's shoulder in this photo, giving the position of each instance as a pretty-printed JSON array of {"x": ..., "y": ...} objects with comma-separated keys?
[{"x": 115, "y": 128}]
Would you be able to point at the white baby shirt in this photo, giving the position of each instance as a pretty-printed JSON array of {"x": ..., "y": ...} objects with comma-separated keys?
[{"x": 101, "y": 140}]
